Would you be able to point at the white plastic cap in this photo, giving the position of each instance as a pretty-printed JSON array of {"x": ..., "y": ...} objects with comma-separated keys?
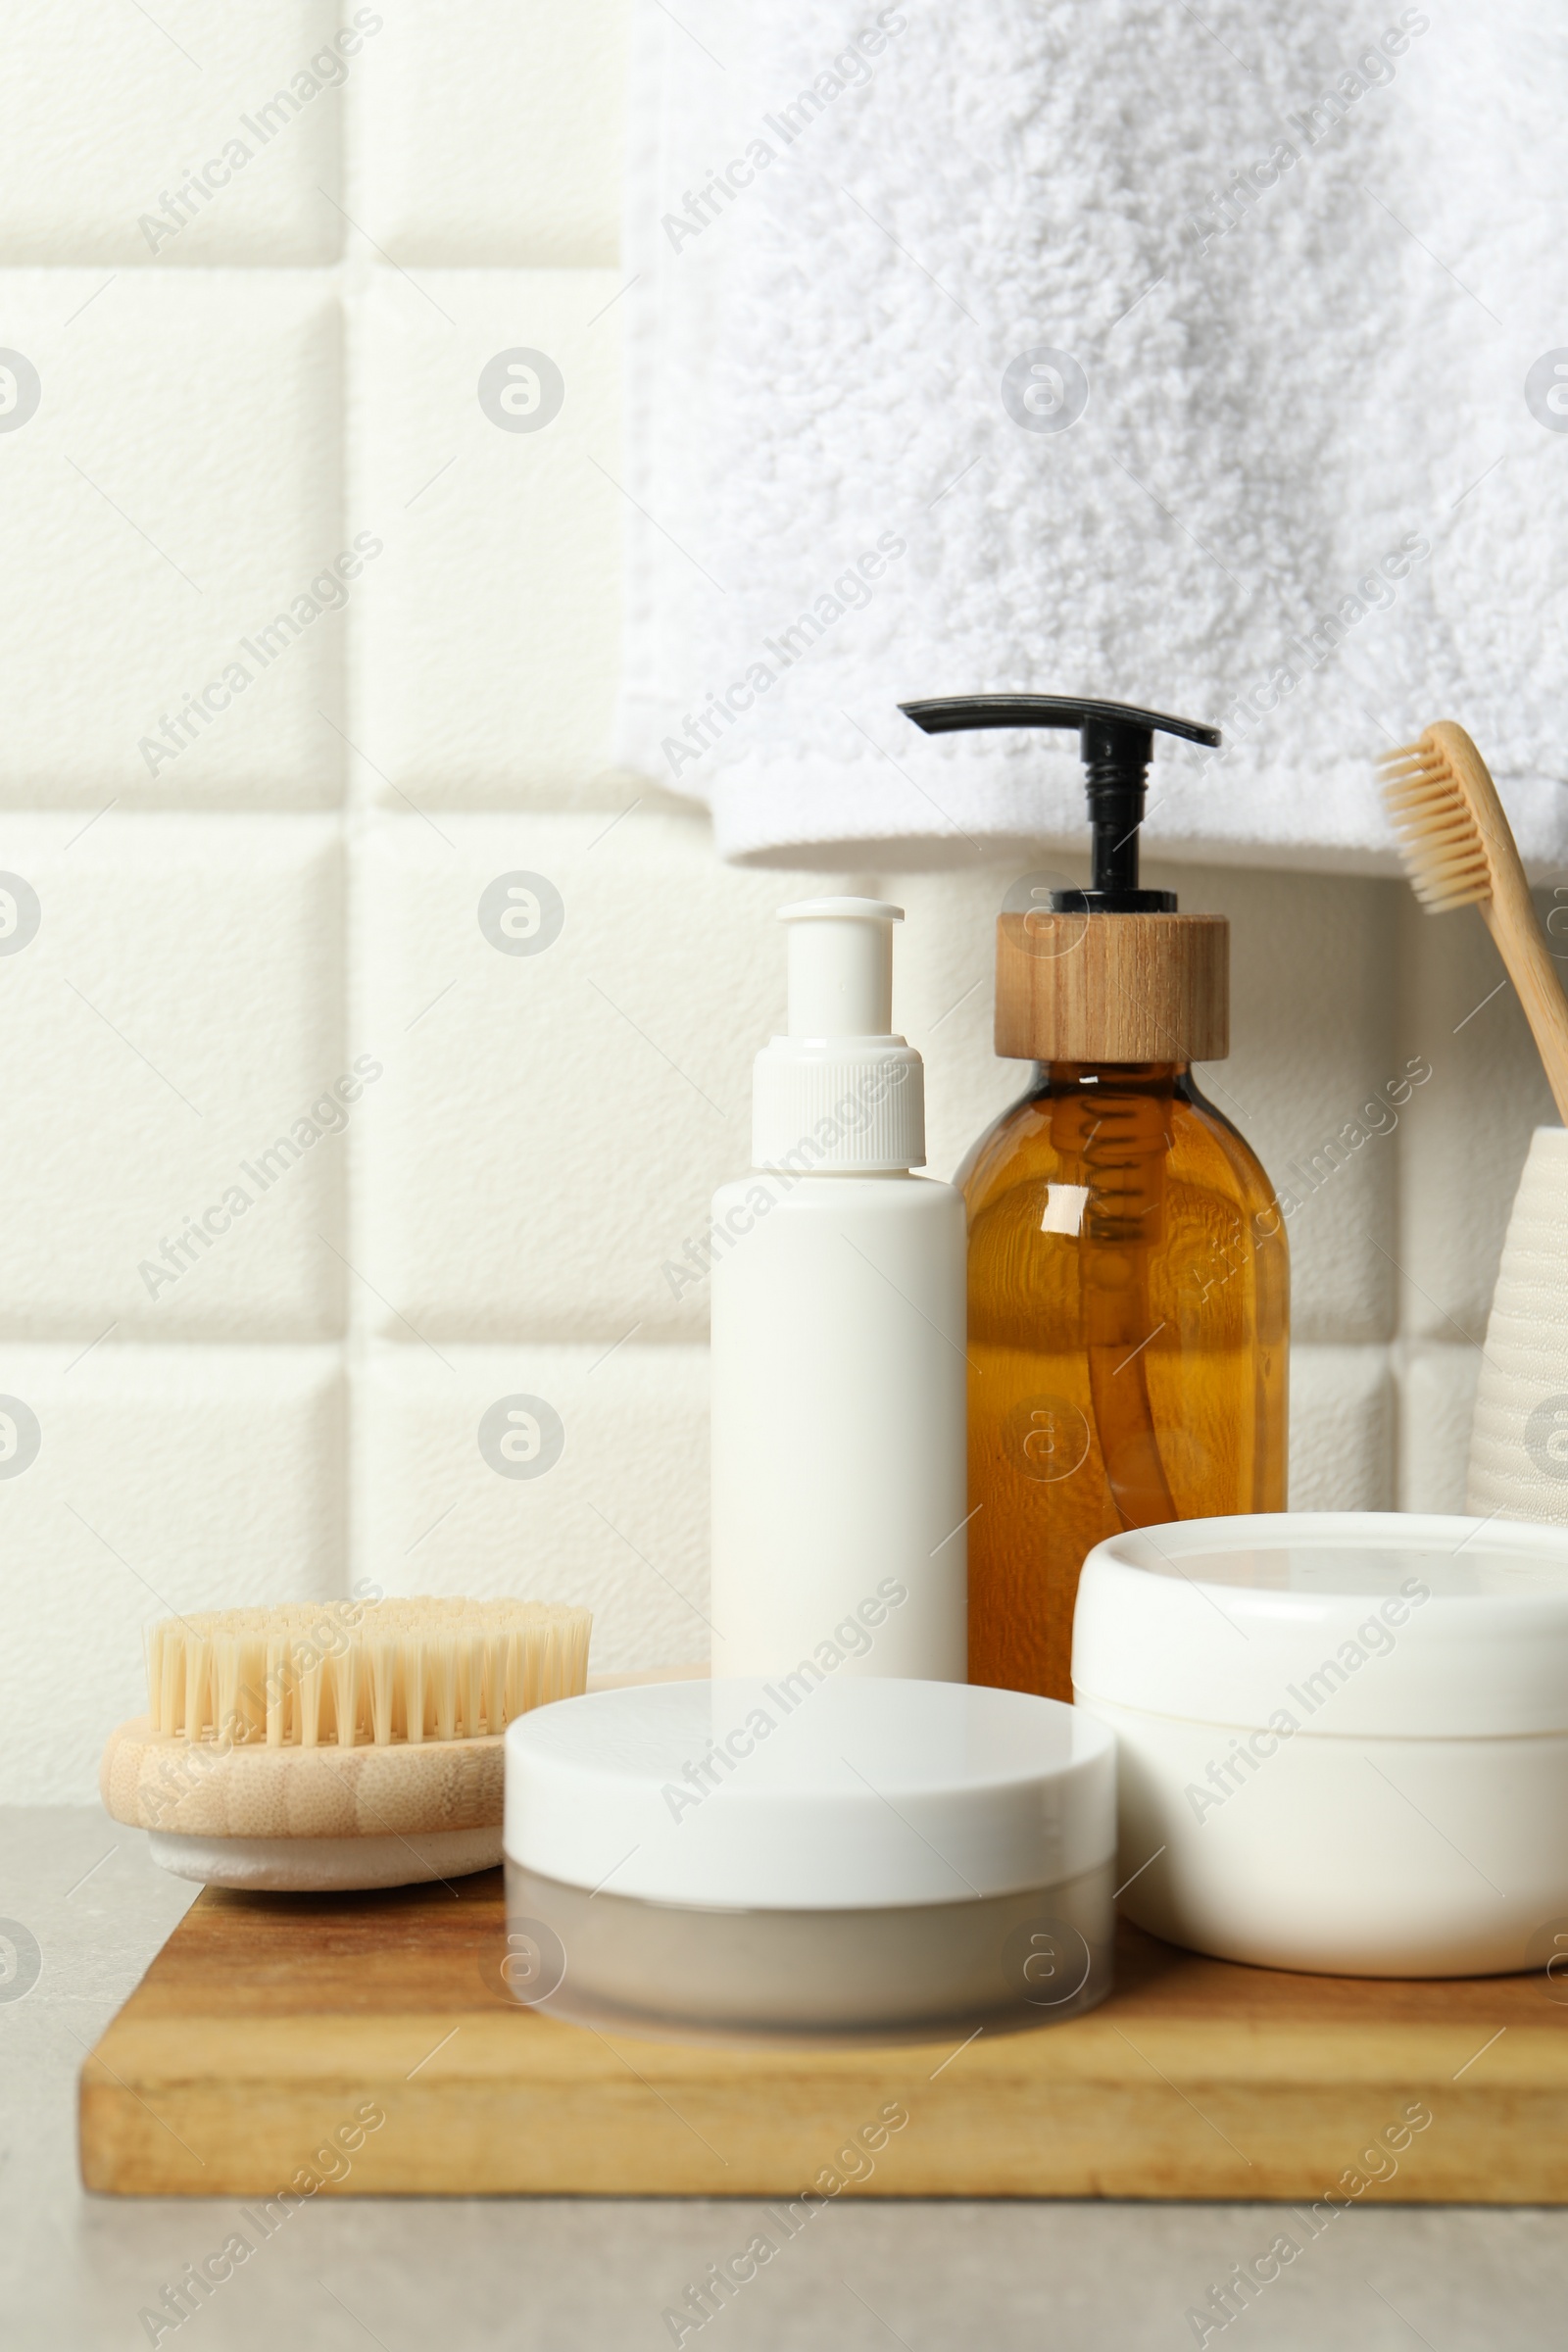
[
  {"x": 840, "y": 1091},
  {"x": 841, "y": 966},
  {"x": 796, "y": 1795},
  {"x": 1393, "y": 1624}
]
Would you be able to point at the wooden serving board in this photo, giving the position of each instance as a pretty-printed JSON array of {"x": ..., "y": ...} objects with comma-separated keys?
[{"x": 271, "y": 2029}]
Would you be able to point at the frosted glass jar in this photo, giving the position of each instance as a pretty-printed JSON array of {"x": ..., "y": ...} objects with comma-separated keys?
[
  {"x": 874, "y": 1858},
  {"x": 1341, "y": 1736}
]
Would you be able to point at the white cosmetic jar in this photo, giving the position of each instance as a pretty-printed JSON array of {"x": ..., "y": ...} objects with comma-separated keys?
[
  {"x": 1341, "y": 1736},
  {"x": 867, "y": 1857}
]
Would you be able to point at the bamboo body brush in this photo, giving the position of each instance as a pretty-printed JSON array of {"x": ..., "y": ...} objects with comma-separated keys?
[
  {"x": 318, "y": 1747},
  {"x": 1459, "y": 851}
]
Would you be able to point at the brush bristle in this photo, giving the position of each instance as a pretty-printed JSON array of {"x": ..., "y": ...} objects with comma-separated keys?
[
  {"x": 352, "y": 1674},
  {"x": 1440, "y": 838}
]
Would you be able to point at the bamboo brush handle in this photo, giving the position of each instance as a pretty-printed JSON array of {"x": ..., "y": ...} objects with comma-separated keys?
[
  {"x": 1510, "y": 913},
  {"x": 1513, "y": 923}
]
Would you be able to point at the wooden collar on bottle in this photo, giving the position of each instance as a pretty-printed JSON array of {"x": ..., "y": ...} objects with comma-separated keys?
[{"x": 1112, "y": 987}]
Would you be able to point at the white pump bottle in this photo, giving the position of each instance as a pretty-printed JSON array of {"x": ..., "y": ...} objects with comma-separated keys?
[{"x": 838, "y": 1341}]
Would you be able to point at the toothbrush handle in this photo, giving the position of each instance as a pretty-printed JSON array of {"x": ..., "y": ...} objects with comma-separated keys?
[{"x": 1511, "y": 918}]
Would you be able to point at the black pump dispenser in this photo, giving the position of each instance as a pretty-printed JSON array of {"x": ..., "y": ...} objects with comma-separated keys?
[{"x": 1115, "y": 742}]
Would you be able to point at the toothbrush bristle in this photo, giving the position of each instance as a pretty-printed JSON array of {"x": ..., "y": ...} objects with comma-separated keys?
[
  {"x": 307, "y": 1673},
  {"x": 1440, "y": 838}
]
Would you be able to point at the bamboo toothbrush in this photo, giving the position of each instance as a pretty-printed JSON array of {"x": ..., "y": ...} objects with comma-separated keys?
[
  {"x": 329, "y": 1745},
  {"x": 1459, "y": 851}
]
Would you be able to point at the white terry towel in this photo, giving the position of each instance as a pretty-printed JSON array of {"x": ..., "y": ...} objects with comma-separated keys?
[{"x": 1206, "y": 358}]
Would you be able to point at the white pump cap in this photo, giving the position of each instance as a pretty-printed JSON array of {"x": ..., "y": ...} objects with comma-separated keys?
[{"x": 841, "y": 1091}]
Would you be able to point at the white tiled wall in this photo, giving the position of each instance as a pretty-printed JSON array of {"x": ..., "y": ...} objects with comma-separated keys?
[{"x": 309, "y": 1157}]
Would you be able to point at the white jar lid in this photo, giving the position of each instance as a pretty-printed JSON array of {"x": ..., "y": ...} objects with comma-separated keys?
[
  {"x": 840, "y": 1796},
  {"x": 1353, "y": 1623}
]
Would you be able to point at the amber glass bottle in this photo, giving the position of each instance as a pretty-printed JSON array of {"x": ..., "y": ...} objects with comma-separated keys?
[
  {"x": 1129, "y": 1287},
  {"x": 1127, "y": 1339}
]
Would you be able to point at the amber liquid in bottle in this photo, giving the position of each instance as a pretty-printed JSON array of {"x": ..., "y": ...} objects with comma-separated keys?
[{"x": 1129, "y": 1313}]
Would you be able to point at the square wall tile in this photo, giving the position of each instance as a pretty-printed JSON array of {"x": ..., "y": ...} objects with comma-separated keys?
[
  {"x": 172, "y": 1147},
  {"x": 567, "y": 1474},
  {"x": 485, "y": 439},
  {"x": 1467, "y": 1130},
  {"x": 1342, "y": 1430},
  {"x": 136, "y": 1483},
  {"x": 1315, "y": 1051},
  {"x": 1437, "y": 1405},
  {"x": 568, "y": 1007},
  {"x": 193, "y": 132},
  {"x": 448, "y": 93},
  {"x": 177, "y": 567}
]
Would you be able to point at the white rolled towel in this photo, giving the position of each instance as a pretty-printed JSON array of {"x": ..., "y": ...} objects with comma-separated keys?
[{"x": 1205, "y": 358}]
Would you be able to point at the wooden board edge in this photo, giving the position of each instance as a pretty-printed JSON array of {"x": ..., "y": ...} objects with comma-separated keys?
[{"x": 1481, "y": 2147}]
